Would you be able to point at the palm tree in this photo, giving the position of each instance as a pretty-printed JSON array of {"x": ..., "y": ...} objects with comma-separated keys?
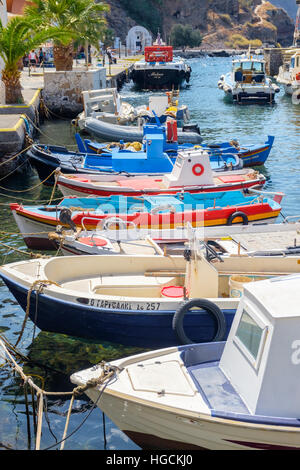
[
  {"x": 16, "y": 39},
  {"x": 83, "y": 18}
]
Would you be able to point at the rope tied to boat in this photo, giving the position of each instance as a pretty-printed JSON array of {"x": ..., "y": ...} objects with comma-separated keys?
[
  {"x": 37, "y": 285},
  {"x": 56, "y": 173},
  {"x": 106, "y": 373}
]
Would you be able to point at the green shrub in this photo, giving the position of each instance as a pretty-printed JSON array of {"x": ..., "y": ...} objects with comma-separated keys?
[{"x": 185, "y": 36}]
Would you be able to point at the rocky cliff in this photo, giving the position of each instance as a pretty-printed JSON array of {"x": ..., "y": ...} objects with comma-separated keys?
[{"x": 223, "y": 23}]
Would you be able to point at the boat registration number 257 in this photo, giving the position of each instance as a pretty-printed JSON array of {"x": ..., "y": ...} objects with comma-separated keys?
[{"x": 120, "y": 305}]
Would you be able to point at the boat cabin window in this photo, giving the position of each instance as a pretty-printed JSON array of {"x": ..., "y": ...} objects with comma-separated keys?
[
  {"x": 251, "y": 66},
  {"x": 179, "y": 161},
  {"x": 250, "y": 337}
]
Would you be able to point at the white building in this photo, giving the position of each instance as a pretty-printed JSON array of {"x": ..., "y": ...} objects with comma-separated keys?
[
  {"x": 137, "y": 39},
  {"x": 3, "y": 17}
]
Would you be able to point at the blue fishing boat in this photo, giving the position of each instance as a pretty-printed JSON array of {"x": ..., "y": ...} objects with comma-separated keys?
[
  {"x": 151, "y": 159},
  {"x": 139, "y": 300},
  {"x": 250, "y": 155}
]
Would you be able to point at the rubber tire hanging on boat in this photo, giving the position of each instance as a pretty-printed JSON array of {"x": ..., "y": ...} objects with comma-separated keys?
[
  {"x": 210, "y": 307},
  {"x": 235, "y": 215}
]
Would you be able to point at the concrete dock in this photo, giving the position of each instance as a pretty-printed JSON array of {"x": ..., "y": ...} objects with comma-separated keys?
[{"x": 16, "y": 120}]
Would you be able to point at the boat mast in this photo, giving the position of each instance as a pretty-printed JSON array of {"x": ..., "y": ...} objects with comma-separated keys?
[{"x": 297, "y": 27}]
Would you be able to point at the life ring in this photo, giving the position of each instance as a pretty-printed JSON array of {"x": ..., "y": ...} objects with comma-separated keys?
[
  {"x": 198, "y": 169},
  {"x": 210, "y": 307},
  {"x": 235, "y": 215}
]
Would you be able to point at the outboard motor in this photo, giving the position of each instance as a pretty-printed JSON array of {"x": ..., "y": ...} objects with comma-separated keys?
[
  {"x": 65, "y": 217},
  {"x": 191, "y": 128}
]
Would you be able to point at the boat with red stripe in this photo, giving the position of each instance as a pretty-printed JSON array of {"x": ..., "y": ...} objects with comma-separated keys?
[{"x": 191, "y": 172}]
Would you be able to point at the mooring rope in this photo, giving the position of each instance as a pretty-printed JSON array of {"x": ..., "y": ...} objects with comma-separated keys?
[
  {"x": 107, "y": 373},
  {"x": 41, "y": 283}
]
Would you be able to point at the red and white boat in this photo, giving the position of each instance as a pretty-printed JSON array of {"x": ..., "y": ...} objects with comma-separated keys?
[
  {"x": 192, "y": 173},
  {"x": 144, "y": 213}
]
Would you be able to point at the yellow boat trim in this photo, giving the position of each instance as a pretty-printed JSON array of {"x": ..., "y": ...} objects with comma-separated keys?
[{"x": 200, "y": 223}]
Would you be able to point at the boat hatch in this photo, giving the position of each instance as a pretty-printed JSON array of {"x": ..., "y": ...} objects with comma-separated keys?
[{"x": 158, "y": 377}]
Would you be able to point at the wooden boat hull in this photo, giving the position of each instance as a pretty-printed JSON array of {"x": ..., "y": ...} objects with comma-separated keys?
[
  {"x": 180, "y": 417},
  {"x": 35, "y": 227},
  {"x": 74, "y": 187},
  {"x": 165, "y": 428},
  {"x": 250, "y": 157},
  {"x": 126, "y": 322}
]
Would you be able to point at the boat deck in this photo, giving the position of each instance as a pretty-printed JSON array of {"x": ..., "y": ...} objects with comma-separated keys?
[{"x": 268, "y": 241}]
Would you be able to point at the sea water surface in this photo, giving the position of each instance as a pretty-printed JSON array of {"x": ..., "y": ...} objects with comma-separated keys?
[{"x": 55, "y": 357}]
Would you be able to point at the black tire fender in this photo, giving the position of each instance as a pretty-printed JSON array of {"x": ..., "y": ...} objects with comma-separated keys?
[
  {"x": 238, "y": 214},
  {"x": 210, "y": 307}
]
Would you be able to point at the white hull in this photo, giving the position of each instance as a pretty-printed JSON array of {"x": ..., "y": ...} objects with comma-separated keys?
[{"x": 178, "y": 420}]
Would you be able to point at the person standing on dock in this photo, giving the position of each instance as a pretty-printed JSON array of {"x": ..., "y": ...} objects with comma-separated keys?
[{"x": 33, "y": 59}]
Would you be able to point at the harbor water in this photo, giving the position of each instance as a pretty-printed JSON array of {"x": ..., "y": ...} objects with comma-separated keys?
[{"x": 53, "y": 357}]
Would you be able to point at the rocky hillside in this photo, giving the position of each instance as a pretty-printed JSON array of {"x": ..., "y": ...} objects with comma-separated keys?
[
  {"x": 288, "y": 5},
  {"x": 223, "y": 23}
]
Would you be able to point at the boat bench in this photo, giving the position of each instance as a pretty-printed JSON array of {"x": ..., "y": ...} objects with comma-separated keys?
[{"x": 135, "y": 285}]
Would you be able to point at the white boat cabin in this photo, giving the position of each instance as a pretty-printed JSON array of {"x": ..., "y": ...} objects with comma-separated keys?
[
  {"x": 295, "y": 66},
  {"x": 190, "y": 168},
  {"x": 261, "y": 358},
  {"x": 248, "y": 71}
]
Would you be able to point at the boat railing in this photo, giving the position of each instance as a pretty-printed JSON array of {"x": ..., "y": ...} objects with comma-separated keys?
[{"x": 269, "y": 193}]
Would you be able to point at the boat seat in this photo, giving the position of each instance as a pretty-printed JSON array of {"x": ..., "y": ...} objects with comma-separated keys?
[
  {"x": 259, "y": 78},
  {"x": 238, "y": 76},
  {"x": 231, "y": 178},
  {"x": 102, "y": 284},
  {"x": 216, "y": 389},
  {"x": 134, "y": 281},
  {"x": 140, "y": 184}
]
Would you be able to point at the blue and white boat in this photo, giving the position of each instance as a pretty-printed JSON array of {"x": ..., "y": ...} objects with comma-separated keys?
[
  {"x": 238, "y": 395},
  {"x": 151, "y": 159},
  {"x": 247, "y": 82},
  {"x": 249, "y": 154},
  {"x": 138, "y": 300}
]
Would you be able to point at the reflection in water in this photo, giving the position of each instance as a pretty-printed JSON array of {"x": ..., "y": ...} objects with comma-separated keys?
[{"x": 55, "y": 357}]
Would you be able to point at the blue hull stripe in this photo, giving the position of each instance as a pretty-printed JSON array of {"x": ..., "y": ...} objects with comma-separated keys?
[{"x": 140, "y": 328}]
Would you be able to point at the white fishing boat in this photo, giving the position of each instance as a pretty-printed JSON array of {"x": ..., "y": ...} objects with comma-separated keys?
[
  {"x": 192, "y": 172},
  {"x": 238, "y": 395},
  {"x": 144, "y": 300},
  {"x": 289, "y": 75},
  {"x": 225, "y": 241},
  {"x": 248, "y": 82},
  {"x": 92, "y": 243},
  {"x": 107, "y": 105}
]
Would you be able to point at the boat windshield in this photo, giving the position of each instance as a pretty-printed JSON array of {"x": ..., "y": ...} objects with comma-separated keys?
[
  {"x": 249, "y": 333},
  {"x": 250, "y": 65}
]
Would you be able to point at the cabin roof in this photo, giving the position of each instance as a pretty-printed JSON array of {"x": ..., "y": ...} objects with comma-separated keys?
[
  {"x": 246, "y": 59},
  {"x": 280, "y": 296}
]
